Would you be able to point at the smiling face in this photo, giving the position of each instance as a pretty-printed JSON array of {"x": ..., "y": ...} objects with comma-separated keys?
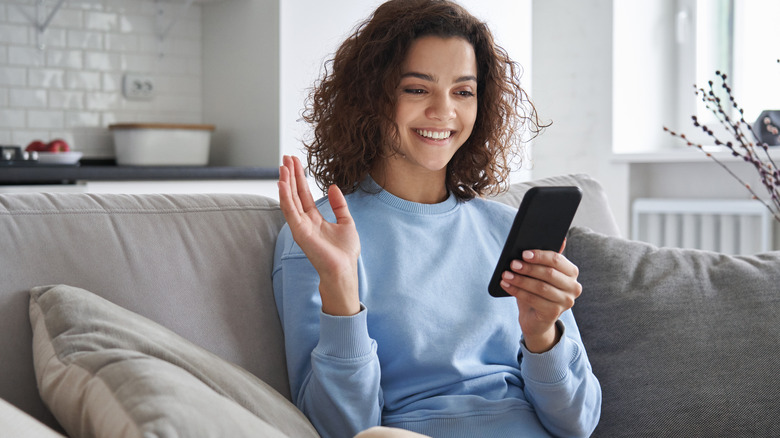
[{"x": 435, "y": 110}]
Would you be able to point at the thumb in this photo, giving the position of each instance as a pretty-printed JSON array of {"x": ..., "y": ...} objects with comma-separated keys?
[{"x": 339, "y": 205}]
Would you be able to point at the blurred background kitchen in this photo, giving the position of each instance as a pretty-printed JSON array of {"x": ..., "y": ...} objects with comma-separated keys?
[{"x": 608, "y": 73}]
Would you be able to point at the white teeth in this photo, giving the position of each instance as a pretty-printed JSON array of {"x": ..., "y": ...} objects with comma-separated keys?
[{"x": 435, "y": 135}]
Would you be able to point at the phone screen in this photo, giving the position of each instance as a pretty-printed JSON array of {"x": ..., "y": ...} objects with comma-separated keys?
[{"x": 541, "y": 222}]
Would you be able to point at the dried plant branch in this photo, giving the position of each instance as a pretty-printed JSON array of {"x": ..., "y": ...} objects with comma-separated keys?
[{"x": 745, "y": 143}]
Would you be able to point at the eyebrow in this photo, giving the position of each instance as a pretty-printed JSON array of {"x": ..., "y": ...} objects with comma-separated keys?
[{"x": 427, "y": 77}]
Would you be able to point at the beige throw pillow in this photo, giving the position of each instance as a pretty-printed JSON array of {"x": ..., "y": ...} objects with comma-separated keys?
[{"x": 107, "y": 372}]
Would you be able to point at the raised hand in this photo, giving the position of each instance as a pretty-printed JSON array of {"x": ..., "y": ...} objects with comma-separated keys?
[
  {"x": 332, "y": 248},
  {"x": 545, "y": 285}
]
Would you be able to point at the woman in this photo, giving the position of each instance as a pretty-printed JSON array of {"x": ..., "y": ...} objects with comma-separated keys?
[{"x": 381, "y": 286}]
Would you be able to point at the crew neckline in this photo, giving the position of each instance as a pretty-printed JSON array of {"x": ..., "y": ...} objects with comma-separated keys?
[{"x": 373, "y": 188}]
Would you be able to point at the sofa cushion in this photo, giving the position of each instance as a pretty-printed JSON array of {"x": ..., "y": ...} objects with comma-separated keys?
[
  {"x": 106, "y": 371},
  {"x": 684, "y": 342}
]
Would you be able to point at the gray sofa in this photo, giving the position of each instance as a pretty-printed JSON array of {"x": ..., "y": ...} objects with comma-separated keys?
[{"x": 154, "y": 314}]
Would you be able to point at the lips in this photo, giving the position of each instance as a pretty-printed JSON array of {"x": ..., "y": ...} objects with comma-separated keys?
[{"x": 434, "y": 134}]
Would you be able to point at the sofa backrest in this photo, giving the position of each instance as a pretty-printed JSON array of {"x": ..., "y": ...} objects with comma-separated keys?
[
  {"x": 594, "y": 211},
  {"x": 197, "y": 264}
]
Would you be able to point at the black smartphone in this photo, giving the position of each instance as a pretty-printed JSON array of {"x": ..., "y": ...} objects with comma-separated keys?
[{"x": 542, "y": 221}]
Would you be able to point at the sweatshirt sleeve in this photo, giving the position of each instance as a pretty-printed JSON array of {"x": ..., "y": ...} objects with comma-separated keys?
[
  {"x": 561, "y": 385},
  {"x": 332, "y": 363}
]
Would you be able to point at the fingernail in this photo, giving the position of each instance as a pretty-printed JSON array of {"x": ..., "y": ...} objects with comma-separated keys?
[
  {"x": 508, "y": 275},
  {"x": 516, "y": 265},
  {"x": 527, "y": 255},
  {"x": 504, "y": 284}
]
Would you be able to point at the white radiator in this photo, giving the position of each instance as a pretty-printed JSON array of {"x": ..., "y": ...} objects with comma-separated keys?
[{"x": 728, "y": 226}]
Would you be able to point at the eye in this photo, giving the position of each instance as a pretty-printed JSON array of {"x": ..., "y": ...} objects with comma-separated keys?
[
  {"x": 414, "y": 91},
  {"x": 465, "y": 93}
]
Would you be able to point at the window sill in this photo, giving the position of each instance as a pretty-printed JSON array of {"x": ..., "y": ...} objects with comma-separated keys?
[{"x": 684, "y": 155}]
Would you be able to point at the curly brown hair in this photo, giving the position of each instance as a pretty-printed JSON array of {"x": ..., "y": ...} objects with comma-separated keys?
[{"x": 351, "y": 108}]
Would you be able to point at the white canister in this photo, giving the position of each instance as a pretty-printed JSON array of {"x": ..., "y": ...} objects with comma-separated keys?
[{"x": 161, "y": 144}]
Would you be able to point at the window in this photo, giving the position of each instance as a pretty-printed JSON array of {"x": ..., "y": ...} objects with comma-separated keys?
[{"x": 737, "y": 37}]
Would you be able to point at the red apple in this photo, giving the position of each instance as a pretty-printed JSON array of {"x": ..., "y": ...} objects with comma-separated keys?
[
  {"x": 36, "y": 146},
  {"x": 57, "y": 145}
]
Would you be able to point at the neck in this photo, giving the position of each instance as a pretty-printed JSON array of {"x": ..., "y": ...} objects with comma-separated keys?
[{"x": 423, "y": 188}]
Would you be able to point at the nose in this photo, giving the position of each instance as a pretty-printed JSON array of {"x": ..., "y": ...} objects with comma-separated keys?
[{"x": 441, "y": 107}]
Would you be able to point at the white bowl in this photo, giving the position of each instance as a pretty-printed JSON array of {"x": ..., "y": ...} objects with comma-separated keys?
[
  {"x": 161, "y": 144},
  {"x": 71, "y": 157}
]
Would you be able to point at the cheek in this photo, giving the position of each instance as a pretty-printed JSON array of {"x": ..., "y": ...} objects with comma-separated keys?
[
  {"x": 401, "y": 113},
  {"x": 469, "y": 118}
]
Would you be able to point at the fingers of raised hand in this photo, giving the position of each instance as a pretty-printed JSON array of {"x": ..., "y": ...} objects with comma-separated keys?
[
  {"x": 292, "y": 164},
  {"x": 304, "y": 194},
  {"x": 288, "y": 190},
  {"x": 295, "y": 199},
  {"x": 286, "y": 201},
  {"x": 339, "y": 205}
]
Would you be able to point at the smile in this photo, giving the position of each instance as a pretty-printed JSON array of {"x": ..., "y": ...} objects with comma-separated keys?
[{"x": 434, "y": 135}]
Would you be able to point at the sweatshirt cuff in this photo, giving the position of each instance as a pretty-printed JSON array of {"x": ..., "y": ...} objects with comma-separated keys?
[
  {"x": 345, "y": 337},
  {"x": 551, "y": 366}
]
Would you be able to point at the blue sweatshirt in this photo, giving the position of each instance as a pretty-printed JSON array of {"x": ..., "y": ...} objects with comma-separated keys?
[{"x": 431, "y": 351}]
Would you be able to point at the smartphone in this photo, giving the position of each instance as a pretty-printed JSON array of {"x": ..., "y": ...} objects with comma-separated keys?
[{"x": 542, "y": 221}]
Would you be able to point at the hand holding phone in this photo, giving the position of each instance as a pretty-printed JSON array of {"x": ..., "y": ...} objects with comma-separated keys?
[{"x": 542, "y": 221}]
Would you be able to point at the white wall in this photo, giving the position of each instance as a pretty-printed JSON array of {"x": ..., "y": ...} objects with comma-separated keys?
[
  {"x": 645, "y": 76},
  {"x": 72, "y": 88},
  {"x": 310, "y": 32},
  {"x": 241, "y": 81},
  {"x": 572, "y": 68}
]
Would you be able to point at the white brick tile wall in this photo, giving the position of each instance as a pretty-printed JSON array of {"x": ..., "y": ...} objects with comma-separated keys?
[
  {"x": 101, "y": 21},
  {"x": 121, "y": 43},
  {"x": 78, "y": 119},
  {"x": 13, "y": 76},
  {"x": 28, "y": 98},
  {"x": 66, "y": 99},
  {"x": 72, "y": 88},
  {"x": 26, "y": 56},
  {"x": 83, "y": 80},
  {"x": 52, "y": 38},
  {"x": 102, "y": 61},
  {"x": 82, "y": 39},
  {"x": 46, "y": 119},
  {"x": 11, "y": 118},
  {"x": 70, "y": 59},
  {"x": 13, "y": 34},
  {"x": 47, "y": 77}
]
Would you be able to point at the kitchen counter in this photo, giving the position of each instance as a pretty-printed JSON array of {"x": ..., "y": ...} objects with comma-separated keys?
[{"x": 63, "y": 174}]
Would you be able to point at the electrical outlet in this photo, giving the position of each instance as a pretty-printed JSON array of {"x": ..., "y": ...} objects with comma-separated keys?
[{"x": 136, "y": 86}]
